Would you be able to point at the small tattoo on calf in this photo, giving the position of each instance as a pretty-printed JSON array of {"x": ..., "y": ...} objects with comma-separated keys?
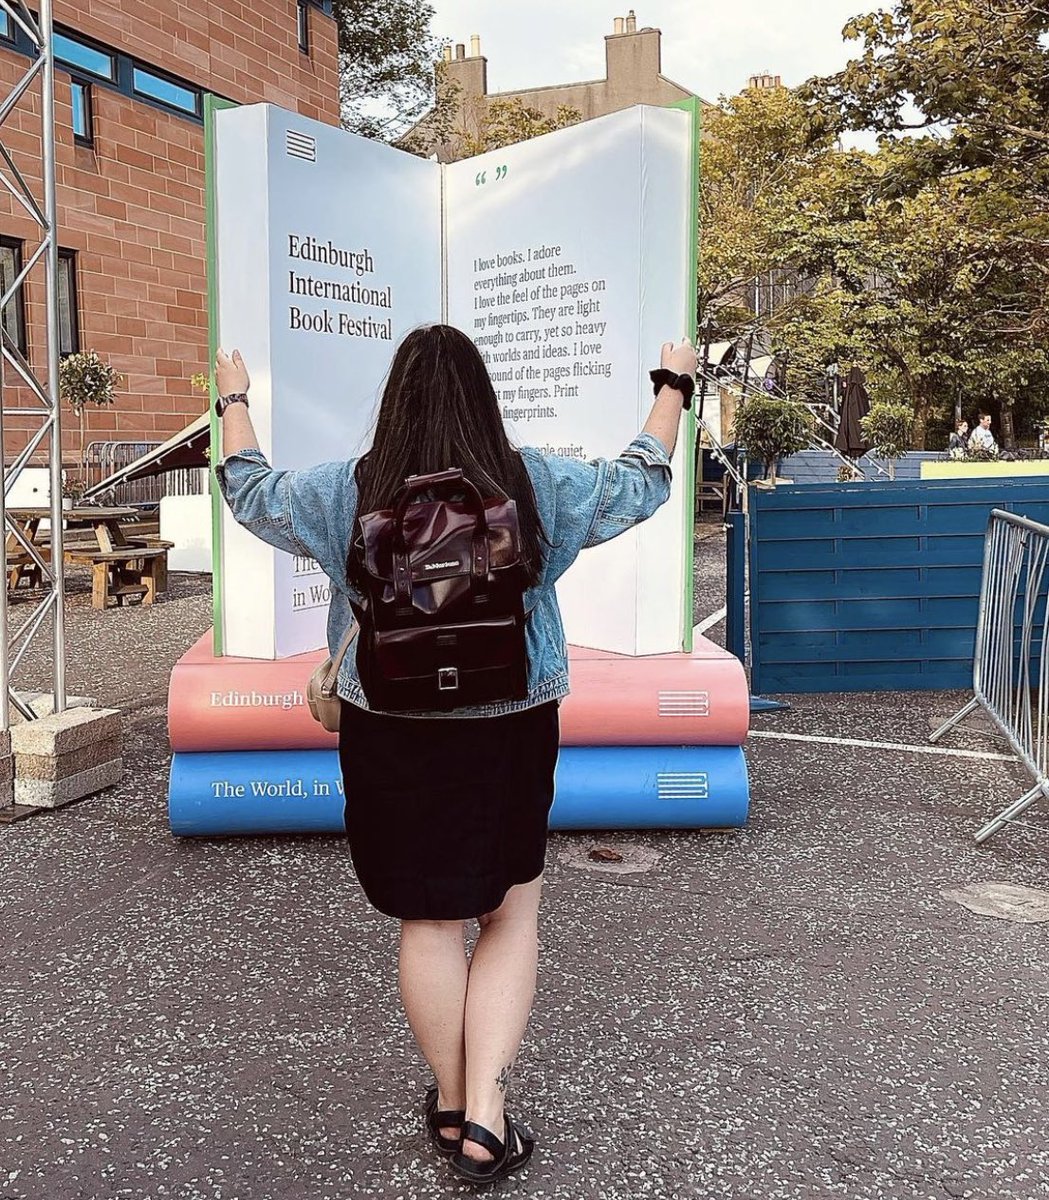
[{"x": 503, "y": 1081}]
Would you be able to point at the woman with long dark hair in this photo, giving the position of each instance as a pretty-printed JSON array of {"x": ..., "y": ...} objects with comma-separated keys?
[{"x": 446, "y": 813}]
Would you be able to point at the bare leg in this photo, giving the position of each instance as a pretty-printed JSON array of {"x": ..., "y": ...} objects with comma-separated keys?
[
  {"x": 498, "y": 1003},
  {"x": 433, "y": 973}
]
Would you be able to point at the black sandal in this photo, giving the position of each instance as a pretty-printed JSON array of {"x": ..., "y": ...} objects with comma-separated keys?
[
  {"x": 507, "y": 1156},
  {"x": 436, "y": 1120}
]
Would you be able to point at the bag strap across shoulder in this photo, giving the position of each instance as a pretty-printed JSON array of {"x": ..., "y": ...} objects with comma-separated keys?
[{"x": 331, "y": 677}]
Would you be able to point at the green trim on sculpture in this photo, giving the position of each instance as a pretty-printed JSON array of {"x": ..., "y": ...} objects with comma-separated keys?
[
  {"x": 693, "y": 106},
  {"x": 213, "y": 105}
]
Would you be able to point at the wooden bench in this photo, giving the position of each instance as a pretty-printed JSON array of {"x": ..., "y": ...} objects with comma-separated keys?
[
  {"x": 123, "y": 574},
  {"x": 21, "y": 565}
]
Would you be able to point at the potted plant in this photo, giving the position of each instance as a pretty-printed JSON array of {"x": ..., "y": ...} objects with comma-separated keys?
[
  {"x": 72, "y": 492},
  {"x": 887, "y": 429},
  {"x": 772, "y": 429},
  {"x": 83, "y": 380}
]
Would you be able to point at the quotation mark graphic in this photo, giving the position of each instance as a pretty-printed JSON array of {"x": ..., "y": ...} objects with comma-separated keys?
[{"x": 481, "y": 178}]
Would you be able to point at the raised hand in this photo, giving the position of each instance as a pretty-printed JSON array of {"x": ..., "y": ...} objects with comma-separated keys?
[{"x": 231, "y": 375}]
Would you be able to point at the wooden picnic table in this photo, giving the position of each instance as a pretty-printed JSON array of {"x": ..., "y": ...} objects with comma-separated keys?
[{"x": 122, "y": 567}]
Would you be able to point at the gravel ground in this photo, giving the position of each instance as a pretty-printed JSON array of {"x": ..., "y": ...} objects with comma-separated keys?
[{"x": 790, "y": 1011}]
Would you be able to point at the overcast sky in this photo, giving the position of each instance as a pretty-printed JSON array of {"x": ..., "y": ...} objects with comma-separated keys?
[{"x": 709, "y": 47}]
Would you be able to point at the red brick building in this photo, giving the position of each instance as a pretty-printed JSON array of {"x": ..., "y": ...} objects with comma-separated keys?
[{"x": 130, "y": 150}]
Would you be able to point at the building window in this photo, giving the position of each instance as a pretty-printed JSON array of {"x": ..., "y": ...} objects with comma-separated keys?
[
  {"x": 68, "y": 323},
  {"x": 167, "y": 91},
  {"x": 7, "y": 31},
  {"x": 13, "y": 316},
  {"x": 83, "y": 113},
  {"x": 75, "y": 53},
  {"x": 303, "y": 20}
]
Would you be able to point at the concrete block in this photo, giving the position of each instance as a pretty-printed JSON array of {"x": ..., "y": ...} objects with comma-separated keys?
[
  {"x": 62, "y": 733},
  {"x": 48, "y": 793},
  {"x": 43, "y": 704},
  {"x": 63, "y": 766}
]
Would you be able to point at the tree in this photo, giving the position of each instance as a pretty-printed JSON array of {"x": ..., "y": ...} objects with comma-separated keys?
[
  {"x": 772, "y": 429},
  {"x": 460, "y": 127},
  {"x": 929, "y": 289},
  {"x": 386, "y": 57},
  {"x": 973, "y": 75},
  {"x": 968, "y": 84},
  {"x": 85, "y": 379},
  {"x": 887, "y": 429},
  {"x": 756, "y": 160},
  {"x": 507, "y": 121}
]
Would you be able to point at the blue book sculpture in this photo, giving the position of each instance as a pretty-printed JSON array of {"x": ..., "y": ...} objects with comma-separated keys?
[{"x": 599, "y": 787}]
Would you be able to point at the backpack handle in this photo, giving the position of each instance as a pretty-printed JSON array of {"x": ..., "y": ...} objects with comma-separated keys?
[{"x": 413, "y": 486}]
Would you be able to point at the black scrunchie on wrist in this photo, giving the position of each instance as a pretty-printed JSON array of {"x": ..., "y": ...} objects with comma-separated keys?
[{"x": 684, "y": 384}]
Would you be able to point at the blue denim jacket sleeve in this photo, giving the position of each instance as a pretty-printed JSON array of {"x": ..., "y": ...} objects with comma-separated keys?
[
  {"x": 586, "y": 503},
  {"x": 306, "y": 512}
]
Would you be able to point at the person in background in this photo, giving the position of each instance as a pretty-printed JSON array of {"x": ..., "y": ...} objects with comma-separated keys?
[
  {"x": 960, "y": 437},
  {"x": 982, "y": 437},
  {"x": 446, "y": 814}
]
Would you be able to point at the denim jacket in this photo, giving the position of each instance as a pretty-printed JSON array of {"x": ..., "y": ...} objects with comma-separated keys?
[{"x": 581, "y": 504}]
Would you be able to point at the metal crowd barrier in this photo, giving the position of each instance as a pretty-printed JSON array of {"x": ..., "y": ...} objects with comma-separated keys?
[
  {"x": 106, "y": 458},
  {"x": 1011, "y": 662}
]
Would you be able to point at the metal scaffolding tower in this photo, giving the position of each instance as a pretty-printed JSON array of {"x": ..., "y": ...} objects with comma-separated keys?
[{"x": 33, "y": 395}]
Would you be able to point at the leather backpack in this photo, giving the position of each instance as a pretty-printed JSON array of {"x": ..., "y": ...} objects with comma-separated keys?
[{"x": 442, "y": 616}]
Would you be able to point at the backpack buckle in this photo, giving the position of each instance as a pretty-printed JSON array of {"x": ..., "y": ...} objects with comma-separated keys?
[{"x": 447, "y": 679}]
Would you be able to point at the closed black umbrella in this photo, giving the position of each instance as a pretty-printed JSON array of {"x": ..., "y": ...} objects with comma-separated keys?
[{"x": 856, "y": 405}]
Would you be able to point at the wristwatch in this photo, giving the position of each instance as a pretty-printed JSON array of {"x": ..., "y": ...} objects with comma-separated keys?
[
  {"x": 223, "y": 402},
  {"x": 684, "y": 384}
]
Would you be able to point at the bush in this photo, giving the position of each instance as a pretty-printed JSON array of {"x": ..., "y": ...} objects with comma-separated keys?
[
  {"x": 887, "y": 430},
  {"x": 771, "y": 429},
  {"x": 85, "y": 379}
]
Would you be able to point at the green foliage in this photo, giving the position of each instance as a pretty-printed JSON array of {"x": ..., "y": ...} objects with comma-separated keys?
[
  {"x": 85, "y": 379},
  {"x": 757, "y": 162},
  {"x": 505, "y": 122},
  {"x": 461, "y": 127},
  {"x": 200, "y": 382},
  {"x": 936, "y": 289},
  {"x": 386, "y": 57},
  {"x": 970, "y": 78},
  {"x": 771, "y": 428},
  {"x": 887, "y": 429},
  {"x": 961, "y": 197},
  {"x": 980, "y": 454}
]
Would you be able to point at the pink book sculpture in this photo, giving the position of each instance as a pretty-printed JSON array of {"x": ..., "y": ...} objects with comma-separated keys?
[{"x": 697, "y": 699}]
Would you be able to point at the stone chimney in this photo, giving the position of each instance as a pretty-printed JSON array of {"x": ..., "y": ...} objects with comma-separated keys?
[
  {"x": 470, "y": 73},
  {"x": 633, "y": 59},
  {"x": 764, "y": 82}
]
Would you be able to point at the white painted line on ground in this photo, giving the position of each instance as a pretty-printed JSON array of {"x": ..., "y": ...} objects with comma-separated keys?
[
  {"x": 942, "y": 751},
  {"x": 709, "y": 622}
]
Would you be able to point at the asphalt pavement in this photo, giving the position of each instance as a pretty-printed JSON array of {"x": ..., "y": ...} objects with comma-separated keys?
[{"x": 794, "y": 1010}]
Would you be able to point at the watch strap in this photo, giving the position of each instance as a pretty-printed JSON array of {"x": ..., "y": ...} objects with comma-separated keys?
[{"x": 224, "y": 402}]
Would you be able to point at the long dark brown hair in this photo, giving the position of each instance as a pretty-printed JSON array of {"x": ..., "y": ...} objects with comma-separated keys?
[{"x": 439, "y": 410}]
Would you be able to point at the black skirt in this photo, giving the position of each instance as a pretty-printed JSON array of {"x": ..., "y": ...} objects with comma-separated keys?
[{"x": 444, "y": 815}]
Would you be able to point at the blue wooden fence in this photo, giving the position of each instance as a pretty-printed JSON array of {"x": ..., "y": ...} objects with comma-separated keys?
[
  {"x": 872, "y": 586},
  {"x": 820, "y": 466}
]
